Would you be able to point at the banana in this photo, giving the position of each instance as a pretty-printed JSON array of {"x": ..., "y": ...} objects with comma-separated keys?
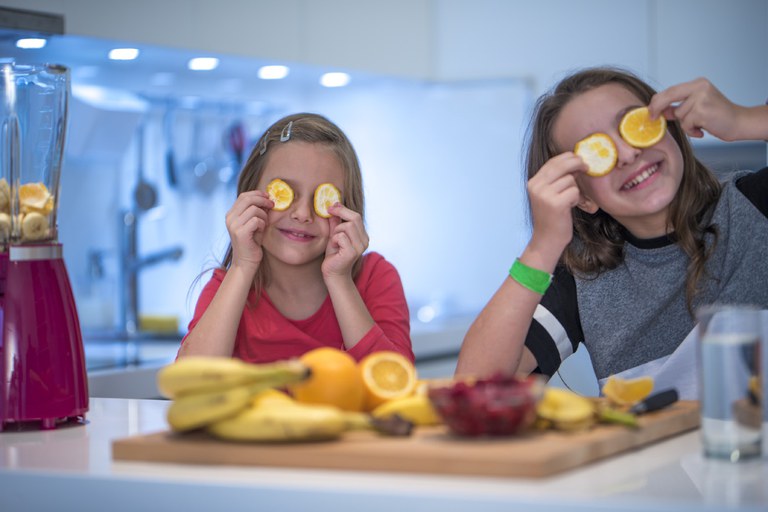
[
  {"x": 192, "y": 375},
  {"x": 417, "y": 409},
  {"x": 200, "y": 409},
  {"x": 283, "y": 422},
  {"x": 5, "y": 226},
  {"x": 5, "y": 196},
  {"x": 34, "y": 226},
  {"x": 275, "y": 419}
]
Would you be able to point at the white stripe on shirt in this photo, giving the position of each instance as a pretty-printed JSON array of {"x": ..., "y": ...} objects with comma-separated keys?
[{"x": 555, "y": 329}]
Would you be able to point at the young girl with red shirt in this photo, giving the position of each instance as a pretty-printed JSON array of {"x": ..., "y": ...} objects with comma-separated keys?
[{"x": 292, "y": 280}]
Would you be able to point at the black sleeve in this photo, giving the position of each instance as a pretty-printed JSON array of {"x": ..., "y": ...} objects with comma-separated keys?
[
  {"x": 561, "y": 306},
  {"x": 755, "y": 188}
]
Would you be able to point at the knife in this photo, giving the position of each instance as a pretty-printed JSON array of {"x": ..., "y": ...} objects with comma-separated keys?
[{"x": 655, "y": 402}]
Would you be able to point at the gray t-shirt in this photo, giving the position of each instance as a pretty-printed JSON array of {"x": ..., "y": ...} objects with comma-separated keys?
[{"x": 634, "y": 319}]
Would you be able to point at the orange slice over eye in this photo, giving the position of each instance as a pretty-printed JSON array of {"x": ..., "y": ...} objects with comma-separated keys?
[
  {"x": 599, "y": 153},
  {"x": 326, "y": 195},
  {"x": 637, "y": 129},
  {"x": 280, "y": 193}
]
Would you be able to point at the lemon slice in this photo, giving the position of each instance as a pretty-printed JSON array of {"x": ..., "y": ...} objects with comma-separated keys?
[
  {"x": 280, "y": 193},
  {"x": 639, "y": 131},
  {"x": 326, "y": 195},
  {"x": 599, "y": 153}
]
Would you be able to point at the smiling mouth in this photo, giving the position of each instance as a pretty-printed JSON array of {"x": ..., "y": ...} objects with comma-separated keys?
[
  {"x": 296, "y": 234},
  {"x": 641, "y": 177}
]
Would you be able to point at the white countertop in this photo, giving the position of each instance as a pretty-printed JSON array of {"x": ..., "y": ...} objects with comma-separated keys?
[{"x": 72, "y": 469}]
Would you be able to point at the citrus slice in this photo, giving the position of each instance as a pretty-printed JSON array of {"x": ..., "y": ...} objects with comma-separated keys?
[
  {"x": 34, "y": 197},
  {"x": 335, "y": 380},
  {"x": 387, "y": 375},
  {"x": 599, "y": 153},
  {"x": 326, "y": 195},
  {"x": 280, "y": 193},
  {"x": 637, "y": 129},
  {"x": 627, "y": 391}
]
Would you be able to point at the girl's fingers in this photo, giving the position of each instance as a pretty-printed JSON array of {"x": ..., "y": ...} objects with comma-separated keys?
[{"x": 356, "y": 240}]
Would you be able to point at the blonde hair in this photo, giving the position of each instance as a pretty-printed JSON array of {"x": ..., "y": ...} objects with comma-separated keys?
[
  {"x": 314, "y": 129},
  {"x": 598, "y": 239}
]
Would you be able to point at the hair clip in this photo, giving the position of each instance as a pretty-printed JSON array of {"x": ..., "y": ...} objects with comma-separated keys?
[
  {"x": 285, "y": 135},
  {"x": 263, "y": 148}
]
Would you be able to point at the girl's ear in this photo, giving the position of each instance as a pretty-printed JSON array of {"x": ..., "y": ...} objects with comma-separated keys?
[{"x": 587, "y": 205}]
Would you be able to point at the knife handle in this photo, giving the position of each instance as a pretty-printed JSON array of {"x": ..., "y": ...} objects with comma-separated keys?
[{"x": 656, "y": 401}]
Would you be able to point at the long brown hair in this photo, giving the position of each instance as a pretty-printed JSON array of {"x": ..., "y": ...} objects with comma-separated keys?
[
  {"x": 315, "y": 129},
  {"x": 598, "y": 239}
]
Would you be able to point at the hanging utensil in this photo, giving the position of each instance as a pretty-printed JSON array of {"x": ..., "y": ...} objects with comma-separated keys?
[
  {"x": 145, "y": 195},
  {"x": 170, "y": 162}
]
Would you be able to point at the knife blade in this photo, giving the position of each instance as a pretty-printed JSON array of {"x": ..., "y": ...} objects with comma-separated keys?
[{"x": 655, "y": 402}]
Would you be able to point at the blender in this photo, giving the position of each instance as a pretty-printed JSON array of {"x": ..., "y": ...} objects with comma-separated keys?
[{"x": 42, "y": 362}]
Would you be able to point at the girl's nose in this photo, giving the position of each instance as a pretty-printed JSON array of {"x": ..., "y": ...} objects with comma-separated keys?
[
  {"x": 302, "y": 210},
  {"x": 626, "y": 153}
]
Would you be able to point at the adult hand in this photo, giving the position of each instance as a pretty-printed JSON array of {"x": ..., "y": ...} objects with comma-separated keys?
[
  {"x": 553, "y": 192},
  {"x": 347, "y": 241},
  {"x": 246, "y": 222},
  {"x": 699, "y": 106}
]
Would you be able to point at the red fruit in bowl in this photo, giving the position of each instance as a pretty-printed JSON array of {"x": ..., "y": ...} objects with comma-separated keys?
[{"x": 500, "y": 405}]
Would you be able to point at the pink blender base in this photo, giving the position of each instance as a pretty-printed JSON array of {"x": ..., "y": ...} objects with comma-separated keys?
[{"x": 43, "y": 364}]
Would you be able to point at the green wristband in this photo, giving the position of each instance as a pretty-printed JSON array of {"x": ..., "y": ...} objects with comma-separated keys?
[{"x": 534, "y": 279}]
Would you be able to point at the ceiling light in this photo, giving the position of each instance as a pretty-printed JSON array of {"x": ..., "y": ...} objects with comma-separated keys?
[
  {"x": 273, "y": 72},
  {"x": 334, "y": 79},
  {"x": 203, "y": 63},
  {"x": 123, "y": 54},
  {"x": 31, "y": 43}
]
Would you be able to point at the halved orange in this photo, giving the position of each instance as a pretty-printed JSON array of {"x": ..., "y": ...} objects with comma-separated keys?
[
  {"x": 599, "y": 153},
  {"x": 34, "y": 197},
  {"x": 637, "y": 129},
  {"x": 387, "y": 375},
  {"x": 627, "y": 391},
  {"x": 326, "y": 195},
  {"x": 280, "y": 193}
]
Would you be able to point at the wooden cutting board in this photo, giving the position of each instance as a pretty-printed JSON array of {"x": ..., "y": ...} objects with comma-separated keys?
[{"x": 430, "y": 450}]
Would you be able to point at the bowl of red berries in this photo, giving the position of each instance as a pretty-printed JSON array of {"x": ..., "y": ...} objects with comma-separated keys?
[{"x": 500, "y": 405}]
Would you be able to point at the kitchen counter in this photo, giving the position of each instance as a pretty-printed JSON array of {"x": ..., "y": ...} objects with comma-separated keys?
[{"x": 72, "y": 469}]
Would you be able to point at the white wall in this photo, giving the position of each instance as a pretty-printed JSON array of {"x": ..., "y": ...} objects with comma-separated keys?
[{"x": 665, "y": 40}]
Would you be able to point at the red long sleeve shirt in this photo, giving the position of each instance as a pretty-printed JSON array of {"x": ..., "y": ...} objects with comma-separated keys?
[{"x": 265, "y": 335}]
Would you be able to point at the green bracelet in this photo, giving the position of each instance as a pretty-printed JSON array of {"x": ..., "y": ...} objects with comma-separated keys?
[{"x": 534, "y": 279}]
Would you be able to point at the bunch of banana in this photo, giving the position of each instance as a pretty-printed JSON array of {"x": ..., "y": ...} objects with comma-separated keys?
[
  {"x": 275, "y": 418},
  {"x": 209, "y": 389}
]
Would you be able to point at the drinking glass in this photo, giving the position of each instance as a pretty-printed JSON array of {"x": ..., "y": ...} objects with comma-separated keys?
[{"x": 729, "y": 363}]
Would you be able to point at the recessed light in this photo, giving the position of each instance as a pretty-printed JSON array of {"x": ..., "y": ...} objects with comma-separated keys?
[
  {"x": 203, "y": 63},
  {"x": 31, "y": 43},
  {"x": 273, "y": 72},
  {"x": 123, "y": 53},
  {"x": 335, "y": 79}
]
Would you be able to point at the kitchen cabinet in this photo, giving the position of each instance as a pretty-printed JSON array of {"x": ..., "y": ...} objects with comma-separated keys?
[{"x": 72, "y": 469}]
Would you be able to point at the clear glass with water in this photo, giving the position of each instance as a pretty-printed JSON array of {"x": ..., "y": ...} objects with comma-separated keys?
[{"x": 729, "y": 362}]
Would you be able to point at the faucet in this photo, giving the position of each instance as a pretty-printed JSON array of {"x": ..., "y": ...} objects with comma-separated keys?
[{"x": 130, "y": 266}]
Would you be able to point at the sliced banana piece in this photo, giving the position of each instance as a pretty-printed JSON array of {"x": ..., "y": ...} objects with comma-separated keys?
[
  {"x": 5, "y": 196},
  {"x": 5, "y": 227},
  {"x": 34, "y": 226}
]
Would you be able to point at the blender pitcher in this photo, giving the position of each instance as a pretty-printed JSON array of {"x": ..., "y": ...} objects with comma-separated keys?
[{"x": 42, "y": 361}]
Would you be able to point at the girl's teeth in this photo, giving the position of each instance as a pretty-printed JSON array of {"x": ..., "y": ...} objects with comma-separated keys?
[{"x": 644, "y": 176}]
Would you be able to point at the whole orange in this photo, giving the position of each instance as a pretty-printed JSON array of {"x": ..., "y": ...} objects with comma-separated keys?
[{"x": 335, "y": 380}]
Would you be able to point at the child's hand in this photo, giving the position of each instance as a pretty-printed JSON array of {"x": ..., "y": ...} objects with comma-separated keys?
[
  {"x": 246, "y": 222},
  {"x": 347, "y": 241},
  {"x": 699, "y": 106},
  {"x": 553, "y": 192}
]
